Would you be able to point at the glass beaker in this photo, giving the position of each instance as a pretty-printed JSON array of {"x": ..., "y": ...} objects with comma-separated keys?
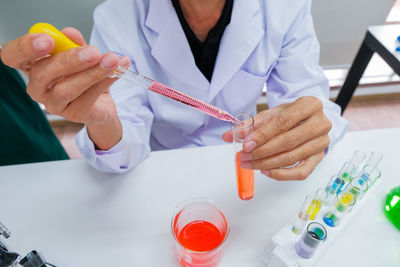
[
  {"x": 308, "y": 243},
  {"x": 200, "y": 229},
  {"x": 244, "y": 177}
]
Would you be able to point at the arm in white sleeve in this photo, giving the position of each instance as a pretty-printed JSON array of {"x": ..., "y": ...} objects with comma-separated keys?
[
  {"x": 133, "y": 111},
  {"x": 297, "y": 72}
]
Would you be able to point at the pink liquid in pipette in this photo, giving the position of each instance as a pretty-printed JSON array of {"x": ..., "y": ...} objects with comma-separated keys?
[{"x": 192, "y": 102}]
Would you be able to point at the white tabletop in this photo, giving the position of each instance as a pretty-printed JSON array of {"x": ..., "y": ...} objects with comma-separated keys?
[{"x": 77, "y": 216}]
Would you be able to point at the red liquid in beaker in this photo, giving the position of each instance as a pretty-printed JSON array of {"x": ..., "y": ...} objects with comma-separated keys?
[
  {"x": 200, "y": 236},
  {"x": 245, "y": 180}
]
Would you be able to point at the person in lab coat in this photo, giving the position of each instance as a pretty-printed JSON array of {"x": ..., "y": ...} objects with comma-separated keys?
[{"x": 219, "y": 51}]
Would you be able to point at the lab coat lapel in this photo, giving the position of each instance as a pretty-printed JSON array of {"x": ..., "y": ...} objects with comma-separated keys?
[
  {"x": 240, "y": 38},
  {"x": 171, "y": 48}
]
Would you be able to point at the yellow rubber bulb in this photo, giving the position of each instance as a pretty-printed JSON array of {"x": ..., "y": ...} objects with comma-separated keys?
[{"x": 62, "y": 42}]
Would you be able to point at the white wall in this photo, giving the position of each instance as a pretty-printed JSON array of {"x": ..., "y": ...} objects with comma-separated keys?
[
  {"x": 16, "y": 16},
  {"x": 340, "y": 24}
]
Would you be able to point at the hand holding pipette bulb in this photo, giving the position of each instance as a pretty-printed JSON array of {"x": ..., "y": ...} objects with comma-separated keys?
[
  {"x": 76, "y": 88},
  {"x": 73, "y": 83}
]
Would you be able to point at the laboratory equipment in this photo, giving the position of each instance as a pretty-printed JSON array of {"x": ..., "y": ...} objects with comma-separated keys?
[
  {"x": 392, "y": 206},
  {"x": 343, "y": 205},
  {"x": 357, "y": 159},
  {"x": 63, "y": 43},
  {"x": 244, "y": 177},
  {"x": 311, "y": 239},
  {"x": 332, "y": 188},
  {"x": 302, "y": 217},
  {"x": 374, "y": 159},
  {"x": 370, "y": 175},
  {"x": 13, "y": 259},
  {"x": 357, "y": 187},
  {"x": 200, "y": 229},
  {"x": 316, "y": 202},
  {"x": 346, "y": 171}
]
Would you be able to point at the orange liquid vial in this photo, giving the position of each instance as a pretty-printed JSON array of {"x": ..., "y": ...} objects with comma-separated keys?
[{"x": 245, "y": 180}]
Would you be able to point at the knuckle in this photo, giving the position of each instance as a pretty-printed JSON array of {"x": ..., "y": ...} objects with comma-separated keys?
[
  {"x": 290, "y": 158},
  {"x": 259, "y": 152},
  {"x": 283, "y": 122},
  {"x": 68, "y": 62},
  {"x": 38, "y": 76},
  {"x": 93, "y": 74},
  {"x": 61, "y": 91},
  {"x": 260, "y": 136},
  {"x": 291, "y": 141}
]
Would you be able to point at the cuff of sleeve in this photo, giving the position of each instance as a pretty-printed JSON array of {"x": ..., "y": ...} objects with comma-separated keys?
[
  {"x": 339, "y": 124},
  {"x": 103, "y": 160}
]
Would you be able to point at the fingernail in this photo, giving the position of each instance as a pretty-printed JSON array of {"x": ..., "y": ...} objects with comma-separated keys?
[
  {"x": 245, "y": 156},
  {"x": 109, "y": 61},
  {"x": 88, "y": 54},
  {"x": 42, "y": 43},
  {"x": 249, "y": 146},
  {"x": 266, "y": 172},
  {"x": 246, "y": 165},
  {"x": 124, "y": 62}
]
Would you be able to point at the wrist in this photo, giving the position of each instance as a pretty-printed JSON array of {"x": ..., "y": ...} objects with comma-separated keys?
[{"x": 105, "y": 135}]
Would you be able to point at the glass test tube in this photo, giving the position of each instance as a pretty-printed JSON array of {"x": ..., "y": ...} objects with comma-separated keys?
[
  {"x": 343, "y": 205},
  {"x": 346, "y": 171},
  {"x": 308, "y": 243},
  {"x": 315, "y": 205},
  {"x": 357, "y": 159},
  {"x": 357, "y": 187},
  {"x": 374, "y": 159},
  {"x": 302, "y": 217},
  {"x": 370, "y": 174},
  {"x": 332, "y": 188},
  {"x": 244, "y": 177}
]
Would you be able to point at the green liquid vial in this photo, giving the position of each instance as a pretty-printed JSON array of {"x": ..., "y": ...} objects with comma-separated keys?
[{"x": 392, "y": 207}]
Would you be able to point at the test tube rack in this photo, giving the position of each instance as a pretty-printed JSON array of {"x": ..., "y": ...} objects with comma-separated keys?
[{"x": 280, "y": 252}]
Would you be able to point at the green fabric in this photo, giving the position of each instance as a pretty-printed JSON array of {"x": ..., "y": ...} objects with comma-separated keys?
[{"x": 25, "y": 134}]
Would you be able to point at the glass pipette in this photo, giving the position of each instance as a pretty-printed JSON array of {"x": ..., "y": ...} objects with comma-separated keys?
[
  {"x": 63, "y": 43},
  {"x": 164, "y": 90}
]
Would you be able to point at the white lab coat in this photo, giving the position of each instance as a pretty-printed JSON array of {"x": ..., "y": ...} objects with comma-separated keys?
[{"x": 267, "y": 42}]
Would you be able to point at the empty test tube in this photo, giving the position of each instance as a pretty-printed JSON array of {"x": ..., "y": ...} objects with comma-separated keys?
[
  {"x": 374, "y": 159},
  {"x": 302, "y": 217},
  {"x": 357, "y": 159}
]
